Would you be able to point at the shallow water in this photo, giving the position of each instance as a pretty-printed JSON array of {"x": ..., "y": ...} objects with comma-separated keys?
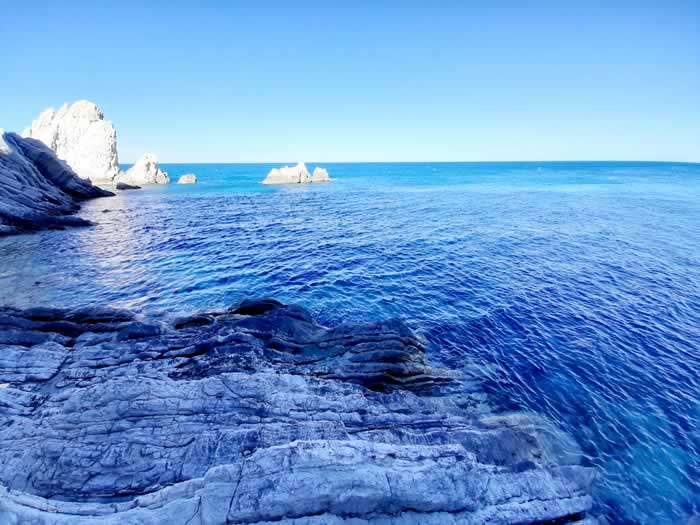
[{"x": 573, "y": 288}]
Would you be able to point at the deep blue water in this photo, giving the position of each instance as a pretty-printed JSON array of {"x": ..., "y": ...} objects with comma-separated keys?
[{"x": 573, "y": 289}]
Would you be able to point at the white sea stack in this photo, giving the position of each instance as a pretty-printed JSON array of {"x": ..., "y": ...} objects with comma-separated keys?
[
  {"x": 145, "y": 171},
  {"x": 320, "y": 175},
  {"x": 190, "y": 178},
  {"x": 288, "y": 175},
  {"x": 80, "y": 135},
  {"x": 296, "y": 175}
]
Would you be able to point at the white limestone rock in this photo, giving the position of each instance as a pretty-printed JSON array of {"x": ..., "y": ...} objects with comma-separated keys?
[
  {"x": 190, "y": 178},
  {"x": 145, "y": 171},
  {"x": 320, "y": 175},
  {"x": 288, "y": 175},
  {"x": 80, "y": 135}
]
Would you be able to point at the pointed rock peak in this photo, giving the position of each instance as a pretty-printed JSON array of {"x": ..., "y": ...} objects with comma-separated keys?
[
  {"x": 80, "y": 135},
  {"x": 144, "y": 171},
  {"x": 85, "y": 109}
]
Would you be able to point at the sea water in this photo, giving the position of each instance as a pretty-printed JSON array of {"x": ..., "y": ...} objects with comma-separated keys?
[{"x": 573, "y": 289}]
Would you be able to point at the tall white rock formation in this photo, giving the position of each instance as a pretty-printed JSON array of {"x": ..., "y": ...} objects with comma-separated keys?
[{"x": 80, "y": 135}]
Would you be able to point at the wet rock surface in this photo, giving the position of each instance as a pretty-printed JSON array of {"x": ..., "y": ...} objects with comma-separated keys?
[
  {"x": 259, "y": 415},
  {"x": 37, "y": 190}
]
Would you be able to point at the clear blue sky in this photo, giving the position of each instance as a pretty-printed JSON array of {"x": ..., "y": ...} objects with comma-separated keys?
[{"x": 383, "y": 81}]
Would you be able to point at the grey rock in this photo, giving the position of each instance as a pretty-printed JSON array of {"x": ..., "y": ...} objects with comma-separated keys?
[
  {"x": 257, "y": 414},
  {"x": 37, "y": 190},
  {"x": 124, "y": 186}
]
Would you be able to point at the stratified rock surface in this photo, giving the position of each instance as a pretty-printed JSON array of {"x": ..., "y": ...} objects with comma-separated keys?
[
  {"x": 80, "y": 135},
  {"x": 37, "y": 190},
  {"x": 258, "y": 415},
  {"x": 190, "y": 178},
  {"x": 124, "y": 186},
  {"x": 145, "y": 171}
]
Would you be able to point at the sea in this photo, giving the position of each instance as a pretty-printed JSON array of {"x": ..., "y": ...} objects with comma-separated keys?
[{"x": 571, "y": 289}]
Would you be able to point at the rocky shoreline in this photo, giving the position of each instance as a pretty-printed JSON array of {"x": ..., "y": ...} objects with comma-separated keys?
[
  {"x": 259, "y": 415},
  {"x": 37, "y": 190},
  {"x": 252, "y": 415}
]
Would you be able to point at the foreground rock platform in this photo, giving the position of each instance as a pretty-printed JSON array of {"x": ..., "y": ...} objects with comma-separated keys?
[
  {"x": 37, "y": 190},
  {"x": 259, "y": 415}
]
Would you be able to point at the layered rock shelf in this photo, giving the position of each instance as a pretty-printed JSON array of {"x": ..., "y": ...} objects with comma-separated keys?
[
  {"x": 37, "y": 190},
  {"x": 259, "y": 415}
]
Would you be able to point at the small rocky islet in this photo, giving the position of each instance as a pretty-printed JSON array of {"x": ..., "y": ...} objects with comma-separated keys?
[{"x": 256, "y": 414}]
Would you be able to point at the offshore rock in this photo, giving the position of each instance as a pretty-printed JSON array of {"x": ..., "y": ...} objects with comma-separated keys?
[
  {"x": 258, "y": 415},
  {"x": 37, "y": 190},
  {"x": 124, "y": 186},
  {"x": 320, "y": 175},
  {"x": 190, "y": 178},
  {"x": 288, "y": 175},
  {"x": 80, "y": 135},
  {"x": 145, "y": 171}
]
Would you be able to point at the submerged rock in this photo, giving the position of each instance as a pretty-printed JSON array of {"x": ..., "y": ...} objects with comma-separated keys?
[
  {"x": 37, "y": 190},
  {"x": 259, "y": 415},
  {"x": 80, "y": 135},
  {"x": 190, "y": 178},
  {"x": 125, "y": 186},
  {"x": 145, "y": 171}
]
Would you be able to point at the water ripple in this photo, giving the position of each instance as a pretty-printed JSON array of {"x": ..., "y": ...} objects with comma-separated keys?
[{"x": 572, "y": 291}]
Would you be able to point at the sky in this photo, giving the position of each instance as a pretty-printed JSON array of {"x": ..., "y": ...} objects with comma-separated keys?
[{"x": 365, "y": 80}]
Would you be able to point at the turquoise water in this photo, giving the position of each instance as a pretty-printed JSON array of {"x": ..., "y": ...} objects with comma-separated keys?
[{"x": 573, "y": 289}]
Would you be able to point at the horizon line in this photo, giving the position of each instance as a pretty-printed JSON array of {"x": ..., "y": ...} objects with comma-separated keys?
[{"x": 436, "y": 162}]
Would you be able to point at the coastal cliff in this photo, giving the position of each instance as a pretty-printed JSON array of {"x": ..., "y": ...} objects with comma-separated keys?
[
  {"x": 37, "y": 190},
  {"x": 258, "y": 414}
]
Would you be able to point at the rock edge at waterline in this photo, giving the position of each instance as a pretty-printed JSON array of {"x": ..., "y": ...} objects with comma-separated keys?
[
  {"x": 258, "y": 414},
  {"x": 298, "y": 174},
  {"x": 37, "y": 190}
]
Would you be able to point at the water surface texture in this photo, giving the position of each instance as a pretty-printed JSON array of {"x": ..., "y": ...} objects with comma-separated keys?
[{"x": 572, "y": 288}]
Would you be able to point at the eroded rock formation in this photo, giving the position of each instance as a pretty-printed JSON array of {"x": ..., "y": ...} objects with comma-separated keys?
[
  {"x": 258, "y": 415},
  {"x": 190, "y": 178},
  {"x": 320, "y": 175},
  {"x": 296, "y": 175},
  {"x": 145, "y": 171},
  {"x": 80, "y": 135},
  {"x": 37, "y": 190}
]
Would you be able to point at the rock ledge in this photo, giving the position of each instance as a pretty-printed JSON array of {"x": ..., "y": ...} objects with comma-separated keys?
[{"x": 258, "y": 415}]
